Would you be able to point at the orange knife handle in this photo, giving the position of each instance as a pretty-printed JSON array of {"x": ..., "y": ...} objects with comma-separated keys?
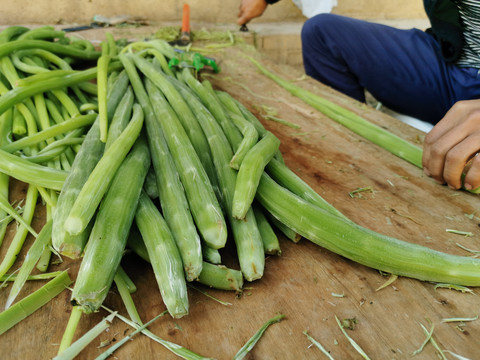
[{"x": 186, "y": 19}]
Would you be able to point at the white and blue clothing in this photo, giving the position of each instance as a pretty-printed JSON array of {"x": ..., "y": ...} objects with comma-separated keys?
[{"x": 414, "y": 72}]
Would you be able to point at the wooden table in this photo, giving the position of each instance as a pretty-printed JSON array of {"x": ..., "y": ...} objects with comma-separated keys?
[{"x": 309, "y": 285}]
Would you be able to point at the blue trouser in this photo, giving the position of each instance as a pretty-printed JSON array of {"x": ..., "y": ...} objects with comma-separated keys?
[{"x": 403, "y": 69}]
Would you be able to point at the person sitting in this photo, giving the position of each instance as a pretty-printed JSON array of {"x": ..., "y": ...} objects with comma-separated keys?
[{"x": 431, "y": 75}]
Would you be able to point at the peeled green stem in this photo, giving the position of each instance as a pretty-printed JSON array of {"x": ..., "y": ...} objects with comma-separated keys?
[
  {"x": 184, "y": 115},
  {"x": 109, "y": 234},
  {"x": 245, "y": 233},
  {"x": 172, "y": 194},
  {"x": 250, "y": 138},
  {"x": 211, "y": 255},
  {"x": 250, "y": 173},
  {"x": 365, "y": 246},
  {"x": 213, "y": 104},
  {"x": 288, "y": 179},
  {"x": 85, "y": 161},
  {"x": 270, "y": 241},
  {"x": 121, "y": 117},
  {"x": 221, "y": 277},
  {"x": 164, "y": 257},
  {"x": 23, "y": 229},
  {"x": 376, "y": 134},
  {"x": 101, "y": 176},
  {"x": 201, "y": 197}
]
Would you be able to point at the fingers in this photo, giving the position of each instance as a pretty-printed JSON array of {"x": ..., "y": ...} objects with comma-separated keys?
[
  {"x": 452, "y": 143},
  {"x": 439, "y": 141},
  {"x": 250, "y": 9},
  {"x": 242, "y": 18},
  {"x": 472, "y": 178},
  {"x": 456, "y": 159}
]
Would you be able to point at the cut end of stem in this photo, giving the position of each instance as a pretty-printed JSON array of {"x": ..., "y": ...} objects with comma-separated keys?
[
  {"x": 74, "y": 225},
  {"x": 70, "y": 250},
  {"x": 216, "y": 237}
]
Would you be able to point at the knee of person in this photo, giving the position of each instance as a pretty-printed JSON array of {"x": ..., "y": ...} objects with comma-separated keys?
[{"x": 316, "y": 26}]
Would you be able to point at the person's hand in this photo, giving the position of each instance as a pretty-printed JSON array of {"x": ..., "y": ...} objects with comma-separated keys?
[
  {"x": 452, "y": 143},
  {"x": 250, "y": 9}
]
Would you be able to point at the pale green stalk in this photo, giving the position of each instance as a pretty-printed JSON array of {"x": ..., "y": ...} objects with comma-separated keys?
[
  {"x": 362, "y": 245},
  {"x": 250, "y": 173},
  {"x": 102, "y": 79},
  {"x": 221, "y": 277},
  {"x": 109, "y": 234},
  {"x": 250, "y": 138},
  {"x": 69, "y": 333},
  {"x": 288, "y": 179},
  {"x": 44, "y": 276},
  {"x": 101, "y": 176},
  {"x": 85, "y": 161},
  {"x": 5, "y": 138},
  {"x": 33, "y": 254},
  {"x": 73, "y": 350},
  {"x": 164, "y": 257},
  {"x": 289, "y": 233},
  {"x": 213, "y": 104},
  {"x": 211, "y": 255},
  {"x": 245, "y": 233},
  {"x": 129, "y": 284},
  {"x": 173, "y": 200},
  {"x": 270, "y": 241},
  {"x": 126, "y": 296},
  {"x": 50, "y": 132},
  {"x": 31, "y": 173},
  {"x": 374, "y": 133},
  {"x": 318, "y": 345},
  {"x": 121, "y": 117},
  {"x": 33, "y": 302},
  {"x": 184, "y": 114},
  {"x": 5, "y": 206},
  {"x": 215, "y": 276},
  {"x": 201, "y": 197},
  {"x": 256, "y": 337}
]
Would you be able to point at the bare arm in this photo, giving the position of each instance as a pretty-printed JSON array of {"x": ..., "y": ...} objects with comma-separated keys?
[{"x": 452, "y": 143}]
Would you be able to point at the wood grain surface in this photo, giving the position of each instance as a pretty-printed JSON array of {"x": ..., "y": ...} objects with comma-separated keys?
[{"x": 309, "y": 285}]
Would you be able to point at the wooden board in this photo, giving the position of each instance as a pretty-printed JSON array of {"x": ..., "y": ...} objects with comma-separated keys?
[{"x": 304, "y": 283}]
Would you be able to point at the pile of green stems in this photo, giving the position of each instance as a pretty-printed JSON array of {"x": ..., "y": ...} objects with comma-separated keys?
[{"x": 163, "y": 164}]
